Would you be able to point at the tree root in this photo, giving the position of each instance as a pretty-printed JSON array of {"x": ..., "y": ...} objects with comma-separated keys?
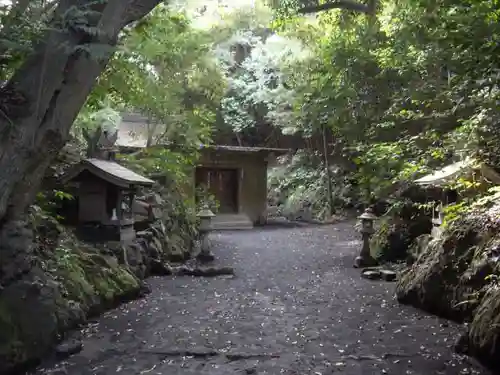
[
  {"x": 243, "y": 356},
  {"x": 186, "y": 353},
  {"x": 204, "y": 354},
  {"x": 202, "y": 271}
]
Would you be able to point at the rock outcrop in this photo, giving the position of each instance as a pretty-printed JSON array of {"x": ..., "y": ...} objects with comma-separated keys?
[
  {"x": 50, "y": 282},
  {"x": 455, "y": 276},
  {"x": 48, "y": 288}
]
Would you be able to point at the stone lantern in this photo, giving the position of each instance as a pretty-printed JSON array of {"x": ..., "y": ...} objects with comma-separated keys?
[
  {"x": 367, "y": 229},
  {"x": 205, "y": 216}
]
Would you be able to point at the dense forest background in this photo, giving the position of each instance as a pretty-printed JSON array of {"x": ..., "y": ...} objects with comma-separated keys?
[
  {"x": 387, "y": 94},
  {"x": 370, "y": 95}
]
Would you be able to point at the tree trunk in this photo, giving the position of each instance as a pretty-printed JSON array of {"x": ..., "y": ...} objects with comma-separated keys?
[
  {"x": 40, "y": 102},
  {"x": 329, "y": 188}
]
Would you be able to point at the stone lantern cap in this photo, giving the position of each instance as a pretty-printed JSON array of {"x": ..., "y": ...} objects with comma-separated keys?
[
  {"x": 205, "y": 213},
  {"x": 368, "y": 215}
]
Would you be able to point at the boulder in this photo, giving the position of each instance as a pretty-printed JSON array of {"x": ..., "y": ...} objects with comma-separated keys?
[
  {"x": 30, "y": 319},
  {"x": 395, "y": 236},
  {"x": 53, "y": 292},
  {"x": 453, "y": 276},
  {"x": 371, "y": 274},
  {"x": 176, "y": 250},
  {"x": 418, "y": 247},
  {"x": 146, "y": 234},
  {"x": 484, "y": 331},
  {"x": 160, "y": 268},
  {"x": 137, "y": 259},
  {"x": 388, "y": 275},
  {"x": 68, "y": 348},
  {"x": 445, "y": 277},
  {"x": 156, "y": 248},
  {"x": 205, "y": 256},
  {"x": 398, "y": 230}
]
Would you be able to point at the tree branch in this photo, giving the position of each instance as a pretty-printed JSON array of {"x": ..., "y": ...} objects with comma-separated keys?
[
  {"x": 51, "y": 86},
  {"x": 339, "y": 4},
  {"x": 139, "y": 8}
]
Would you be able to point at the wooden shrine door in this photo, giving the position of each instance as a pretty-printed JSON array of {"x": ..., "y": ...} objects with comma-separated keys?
[{"x": 223, "y": 184}]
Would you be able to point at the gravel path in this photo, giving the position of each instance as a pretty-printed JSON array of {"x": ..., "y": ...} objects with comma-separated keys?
[{"x": 295, "y": 306}]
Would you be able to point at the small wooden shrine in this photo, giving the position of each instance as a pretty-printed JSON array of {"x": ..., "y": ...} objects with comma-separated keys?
[
  {"x": 441, "y": 183},
  {"x": 106, "y": 193}
]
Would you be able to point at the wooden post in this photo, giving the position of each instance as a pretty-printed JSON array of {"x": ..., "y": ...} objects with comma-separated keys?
[
  {"x": 119, "y": 198},
  {"x": 131, "y": 197}
]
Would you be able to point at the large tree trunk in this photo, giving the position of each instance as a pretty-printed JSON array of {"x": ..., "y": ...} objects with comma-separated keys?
[
  {"x": 40, "y": 102},
  {"x": 37, "y": 108}
]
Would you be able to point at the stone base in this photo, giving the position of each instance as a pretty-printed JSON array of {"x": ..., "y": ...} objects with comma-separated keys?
[
  {"x": 388, "y": 275},
  {"x": 205, "y": 256},
  {"x": 371, "y": 274},
  {"x": 361, "y": 262},
  {"x": 377, "y": 274}
]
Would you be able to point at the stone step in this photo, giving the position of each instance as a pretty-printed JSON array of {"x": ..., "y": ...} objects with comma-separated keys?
[{"x": 231, "y": 222}]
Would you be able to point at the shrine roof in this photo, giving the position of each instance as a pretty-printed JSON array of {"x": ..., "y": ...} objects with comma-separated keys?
[
  {"x": 244, "y": 149},
  {"x": 453, "y": 172},
  {"x": 109, "y": 171}
]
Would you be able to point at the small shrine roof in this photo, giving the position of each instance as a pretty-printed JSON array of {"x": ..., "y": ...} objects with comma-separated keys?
[
  {"x": 109, "y": 171},
  {"x": 456, "y": 170},
  {"x": 244, "y": 149}
]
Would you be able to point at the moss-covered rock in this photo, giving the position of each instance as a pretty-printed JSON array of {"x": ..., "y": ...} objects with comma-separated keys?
[
  {"x": 417, "y": 247},
  {"x": 405, "y": 220},
  {"x": 454, "y": 276},
  {"x": 51, "y": 282},
  {"x": 87, "y": 276},
  {"x": 61, "y": 287},
  {"x": 396, "y": 234},
  {"x": 484, "y": 333}
]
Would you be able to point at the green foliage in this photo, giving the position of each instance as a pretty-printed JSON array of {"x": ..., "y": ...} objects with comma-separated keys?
[
  {"x": 161, "y": 161},
  {"x": 253, "y": 61},
  {"x": 164, "y": 69},
  {"x": 404, "y": 92},
  {"x": 205, "y": 198},
  {"x": 489, "y": 199},
  {"x": 85, "y": 274},
  {"x": 453, "y": 212},
  {"x": 302, "y": 182},
  {"x": 46, "y": 206},
  {"x": 173, "y": 170},
  {"x": 22, "y": 24}
]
